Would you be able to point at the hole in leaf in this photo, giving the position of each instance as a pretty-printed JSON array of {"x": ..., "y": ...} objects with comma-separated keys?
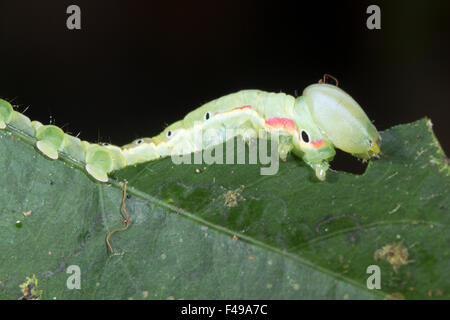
[{"x": 348, "y": 163}]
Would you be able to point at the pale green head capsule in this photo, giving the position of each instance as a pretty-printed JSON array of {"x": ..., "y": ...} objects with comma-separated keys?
[{"x": 342, "y": 120}]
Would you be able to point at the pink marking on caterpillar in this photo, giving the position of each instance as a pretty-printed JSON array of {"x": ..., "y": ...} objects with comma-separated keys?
[
  {"x": 281, "y": 123},
  {"x": 243, "y": 107},
  {"x": 317, "y": 144}
]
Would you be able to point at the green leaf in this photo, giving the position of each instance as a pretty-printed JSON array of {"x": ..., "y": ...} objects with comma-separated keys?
[{"x": 225, "y": 231}]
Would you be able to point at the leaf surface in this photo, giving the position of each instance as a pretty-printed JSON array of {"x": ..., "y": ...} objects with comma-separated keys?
[{"x": 227, "y": 232}]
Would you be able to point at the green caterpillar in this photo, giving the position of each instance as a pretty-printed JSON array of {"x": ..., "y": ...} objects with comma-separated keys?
[{"x": 310, "y": 126}]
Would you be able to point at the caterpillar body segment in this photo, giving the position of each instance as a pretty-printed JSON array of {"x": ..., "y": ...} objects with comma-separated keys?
[
  {"x": 49, "y": 139},
  {"x": 22, "y": 123},
  {"x": 244, "y": 121},
  {"x": 16, "y": 120},
  {"x": 102, "y": 159},
  {"x": 73, "y": 148},
  {"x": 6, "y": 112},
  {"x": 140, "y": 150}
]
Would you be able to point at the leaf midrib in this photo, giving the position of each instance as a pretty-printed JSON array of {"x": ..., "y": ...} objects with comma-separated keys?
[{"x": 241, "y": 236}]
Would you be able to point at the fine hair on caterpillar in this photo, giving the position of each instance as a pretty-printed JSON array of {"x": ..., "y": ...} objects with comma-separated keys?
[{"x": 310, "y": 126}]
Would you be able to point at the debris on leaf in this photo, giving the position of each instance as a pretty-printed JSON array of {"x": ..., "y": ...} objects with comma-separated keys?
[
  {"x": 233, "y": 196},
  {"x": 396, "y": 254},
  {"x": 395, "y": 296},
  {"x": 30, "y": 289}
]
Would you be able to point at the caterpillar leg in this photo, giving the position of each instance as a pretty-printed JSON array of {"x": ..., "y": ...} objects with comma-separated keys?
[
  {"x": 97, "y": 171},
  {"x": 284, "y": 146},
  {"x": 248, "y": 135},
  {"x": 320, "y": 169}
]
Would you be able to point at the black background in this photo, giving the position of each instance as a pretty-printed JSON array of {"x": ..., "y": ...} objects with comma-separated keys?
[{"x": 136, "y": 66}]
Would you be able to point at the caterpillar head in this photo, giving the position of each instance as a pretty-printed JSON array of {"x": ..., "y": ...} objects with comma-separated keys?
[{"x": 342, "y": 120}]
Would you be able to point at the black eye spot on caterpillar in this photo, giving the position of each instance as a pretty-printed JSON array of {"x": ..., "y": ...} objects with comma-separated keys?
[
  {"x": 140, "y": 141},
  {"x": 169, "y": 134},
  {"x": 305, "y": 136},
  {"x": 104, "y": 144},
  {"x": 207, "y": 116}
]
